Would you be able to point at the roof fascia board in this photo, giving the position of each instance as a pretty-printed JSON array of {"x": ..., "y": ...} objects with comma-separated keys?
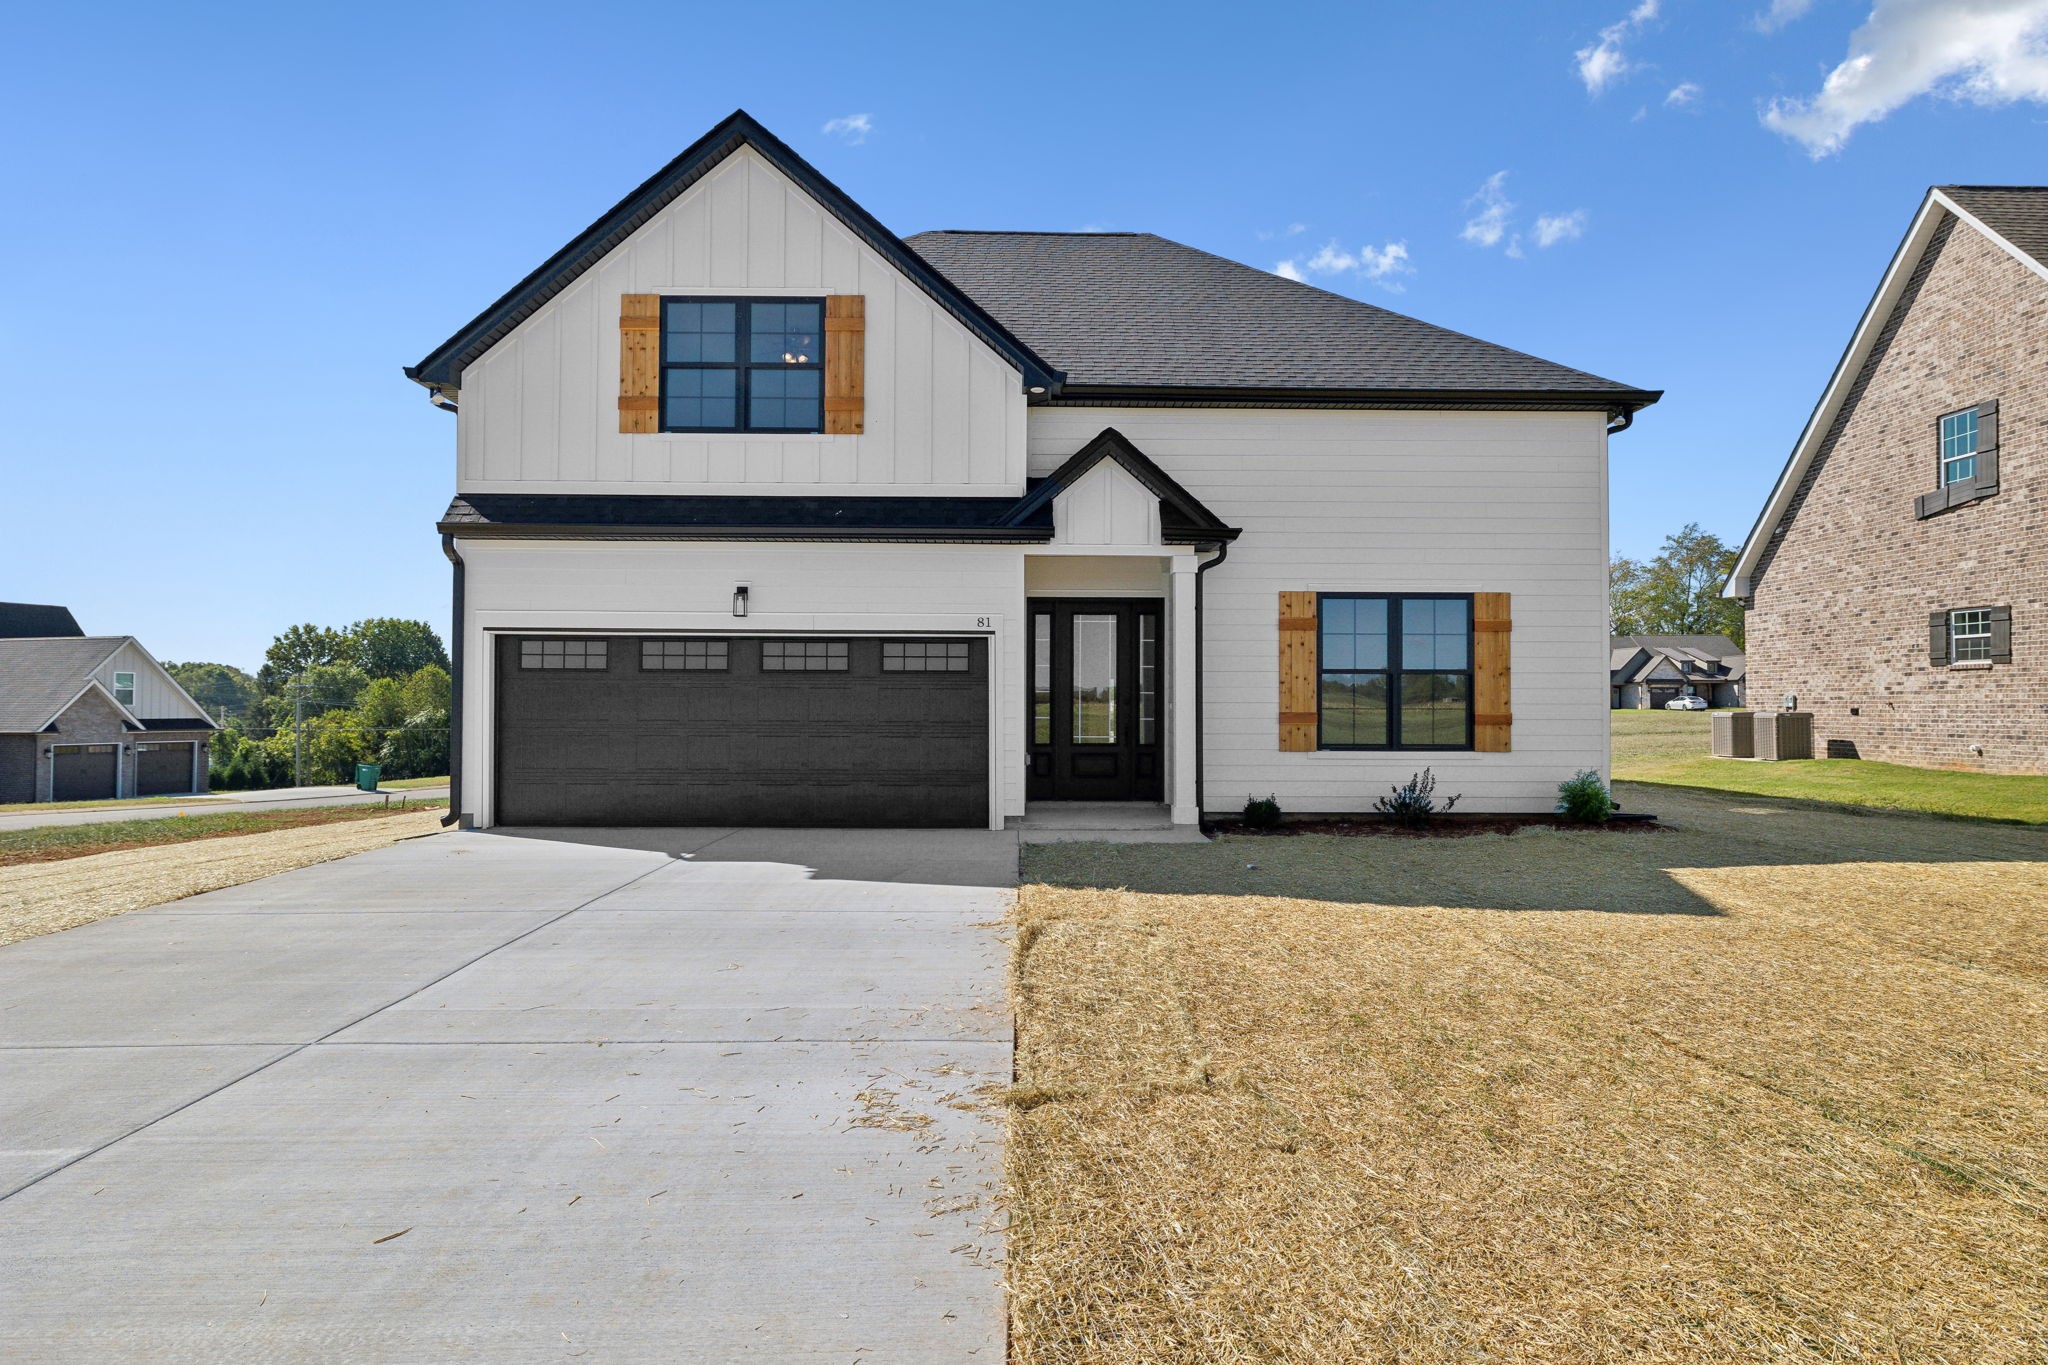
[
  {"x": 1875, "y": 314},
  {"x": 2022, "y": 257},
  {"x": 1000, "y": 535},
  {"x": 442, "y": 368}
]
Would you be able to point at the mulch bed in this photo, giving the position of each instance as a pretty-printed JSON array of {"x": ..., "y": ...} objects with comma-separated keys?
[{"x": 1452, "y": 826}]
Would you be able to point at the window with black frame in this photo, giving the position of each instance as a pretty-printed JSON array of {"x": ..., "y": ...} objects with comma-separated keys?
[
  {"x": 743, "y": 365},
  {"x": 1394, "y": 671}
]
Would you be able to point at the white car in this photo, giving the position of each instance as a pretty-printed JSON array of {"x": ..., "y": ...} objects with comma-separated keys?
[{"x": 1686, "y": 704}]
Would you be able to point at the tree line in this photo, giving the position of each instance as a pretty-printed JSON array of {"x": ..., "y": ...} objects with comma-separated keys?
[
  {"x": 1678, "y": 592},
  {"x": 326, "y": 699}
]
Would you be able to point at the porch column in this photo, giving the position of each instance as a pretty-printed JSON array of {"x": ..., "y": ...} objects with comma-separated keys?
[{"x": 1180, "y": 695}]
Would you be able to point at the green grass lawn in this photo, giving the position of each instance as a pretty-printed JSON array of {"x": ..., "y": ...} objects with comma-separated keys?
[
  {"x": 126, "y": 801},
  {"x": 48, "y": 843},
  {"x": 1669, "y": 748},
  {"x": 410, "y": 783}
]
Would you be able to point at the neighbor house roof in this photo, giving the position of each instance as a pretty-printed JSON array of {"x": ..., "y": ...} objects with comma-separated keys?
[
  {"x": 29, "y": 618},
  {"x": 442, "y": 368},
  {"x": 2013, "y": 218},
  {"x": 41, "y": 677},
  {"x": 1715, "y": 658},
  {"x": 1130, "y": 313}
]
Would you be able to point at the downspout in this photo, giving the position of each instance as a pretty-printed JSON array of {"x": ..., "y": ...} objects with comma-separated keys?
[
  {"x": 1222, "y": 553},
  {"x": 455, "y": 689}
]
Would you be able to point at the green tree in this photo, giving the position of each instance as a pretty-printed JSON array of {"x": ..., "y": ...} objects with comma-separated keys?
[
  {"x": 298, "y": 649},
  {"x": 1678, "y": 592},
  {"x": 217, "y": 687},
  {"x": 387, "y": 647}
]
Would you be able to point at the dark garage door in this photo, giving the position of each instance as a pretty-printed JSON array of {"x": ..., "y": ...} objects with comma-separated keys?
[
  {"x": 163, "y": 769},
  {"x": 630, "y": 730},
  {"x": 84, "y": 772}
]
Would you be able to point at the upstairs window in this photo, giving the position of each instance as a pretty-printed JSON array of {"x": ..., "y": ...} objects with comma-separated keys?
[
  {"x": 1958, "y": 446},
  {"x": 124, "y": 688},
  {"x": 743, "y": 365}
]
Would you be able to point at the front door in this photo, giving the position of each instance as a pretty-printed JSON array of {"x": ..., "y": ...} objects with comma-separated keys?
[{"x": 1097, "y": 676}]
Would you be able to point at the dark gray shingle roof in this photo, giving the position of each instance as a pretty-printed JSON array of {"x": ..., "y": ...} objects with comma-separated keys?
[
  {"x": 1131, "y": 309},
  {"x": 38, "y": 676},
  {"x": 2018, "y": 213},
  {"x": 30, "y": 618}
]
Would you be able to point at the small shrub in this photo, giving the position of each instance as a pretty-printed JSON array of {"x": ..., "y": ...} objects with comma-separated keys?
[
  {"x": 1414, "y": 805},
  {"x": 1261, "y": 813},
  {"x": 1584, "y": 799}
]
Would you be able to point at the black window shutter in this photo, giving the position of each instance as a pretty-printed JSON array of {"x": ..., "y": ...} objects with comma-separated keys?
[
  {"x": 2001, "y": 635},
  {"x": 1986, "y": 477},
  {"x": 1937, "y": 638}
]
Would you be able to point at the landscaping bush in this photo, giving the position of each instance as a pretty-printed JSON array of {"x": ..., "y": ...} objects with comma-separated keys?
[
  {"x": 1584, "y": 799},
  {"x": 1414, "y": 805},
  {"x": 1261, "y": 813}
]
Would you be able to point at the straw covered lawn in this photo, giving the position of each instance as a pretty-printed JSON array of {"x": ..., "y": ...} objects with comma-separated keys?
[{"x": 1772, "y": 1085}]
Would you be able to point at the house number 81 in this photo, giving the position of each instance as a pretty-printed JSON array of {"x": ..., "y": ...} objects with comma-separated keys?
[{"x": 984, "y": 622}]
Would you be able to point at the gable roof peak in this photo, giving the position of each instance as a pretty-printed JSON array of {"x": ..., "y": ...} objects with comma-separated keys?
[{"x": 441, "y": 369}]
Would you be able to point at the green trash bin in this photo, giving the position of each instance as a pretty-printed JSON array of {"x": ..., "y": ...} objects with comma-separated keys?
[{"x": 367, "y": 775}]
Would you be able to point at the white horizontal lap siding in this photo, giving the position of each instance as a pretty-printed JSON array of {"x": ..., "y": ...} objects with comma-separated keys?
[
  {"x": 1389, "y": 502},
  {"x": 644, "y": 588},
  {"x": 539, "y": 410}
]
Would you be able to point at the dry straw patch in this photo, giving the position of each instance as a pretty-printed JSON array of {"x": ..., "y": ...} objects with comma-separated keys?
[{"x": 1773, "y": 1084}]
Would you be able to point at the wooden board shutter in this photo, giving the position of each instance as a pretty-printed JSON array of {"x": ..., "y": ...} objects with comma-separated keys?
[
  {"x": 1937, "y": 638},
  {"x": 2001, "y": 635},
  {"x": 1297, "y": 672},
  {"x": 1493, "y": 720},
  {"x": 639, "y": 364},
  {"x": 1986, "y": 477},
  {"x": 846, "y": 341}
]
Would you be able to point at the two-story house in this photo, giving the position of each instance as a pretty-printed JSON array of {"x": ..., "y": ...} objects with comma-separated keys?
[
  {"x": 1897, "y": 579},
  {"x": 766, "y": 516}
]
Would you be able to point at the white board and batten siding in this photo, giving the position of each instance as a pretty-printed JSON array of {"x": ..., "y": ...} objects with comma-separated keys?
[
  {"x": 156, "y": 696},
  {"x": 944, "y": 414},
  {"x": 1106, "y": 508},
  {"x": 1388, "y": 502},
  {"x": 606, "y": 587}
]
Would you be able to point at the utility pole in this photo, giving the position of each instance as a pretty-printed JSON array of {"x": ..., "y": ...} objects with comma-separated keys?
[{"x": 298, "y": 733}]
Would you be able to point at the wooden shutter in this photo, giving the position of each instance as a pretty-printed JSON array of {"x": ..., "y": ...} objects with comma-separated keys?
[
  {"x": 1493, "y": 720},
  {"x": 639, "y": 364},
  {"x": 846, "y": 340},
  {"x": 1297, "y": 672},
  {"x": 2001, "y": 635},
  {"x": 1937, "y": 638},
  {"x": 1986, "y": 477}
]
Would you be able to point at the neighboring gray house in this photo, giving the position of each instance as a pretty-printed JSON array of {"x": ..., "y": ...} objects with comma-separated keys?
[
  {"x": 34, "y": 618},
  {"x": 92, "y": 717},
  {"x": 764, "y": 515},
  {"x": 1649, "y": 670}
]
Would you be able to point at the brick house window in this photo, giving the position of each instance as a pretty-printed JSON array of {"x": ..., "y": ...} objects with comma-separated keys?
[
  {"x": 1958, "y": 446},
  {"x": 1969, "y": 635}
]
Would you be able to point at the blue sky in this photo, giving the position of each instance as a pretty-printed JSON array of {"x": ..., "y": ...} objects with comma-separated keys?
[{"x": 229, "y": 226}]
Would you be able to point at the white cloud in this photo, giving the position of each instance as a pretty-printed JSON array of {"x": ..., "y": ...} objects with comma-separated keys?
[
  {"x": 1683, "y": 95},
  {"x": 1605, "y": 62},
  {"x": 1781, "y": 13},
  {"x": 1383, "y": 265},
  {"x": 1984, "y": 51},
  {"x": 1291, "y": 230},
  {"x": 1496, "y": 211},
  {"x": 1552, "y": 228},
  {"x": 852, "y": 130}
]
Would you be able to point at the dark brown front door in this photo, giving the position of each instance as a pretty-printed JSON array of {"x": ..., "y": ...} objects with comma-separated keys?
[{"x": 1097, "y": 674}]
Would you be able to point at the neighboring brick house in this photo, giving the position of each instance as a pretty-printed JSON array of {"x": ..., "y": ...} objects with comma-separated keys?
[
  {"x": 1650, "y": 670},
  {"x": 1897, "y": 580},
  {"x": 89, "y": 717}
]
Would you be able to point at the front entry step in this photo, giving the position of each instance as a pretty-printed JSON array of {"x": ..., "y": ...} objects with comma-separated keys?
[{"x": 1111, "y": 822}]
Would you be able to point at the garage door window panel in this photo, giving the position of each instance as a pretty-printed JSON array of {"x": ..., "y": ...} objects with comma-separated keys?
[
  {"x": 690, "y": 656},
  {"x": 585, "y": 655},
  {"x": 925, "y": 656},
  {"x": 804, "y": 656}
]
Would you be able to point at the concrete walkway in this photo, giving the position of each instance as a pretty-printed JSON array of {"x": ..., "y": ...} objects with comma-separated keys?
[
  {"x": 509, "y": 1099},
  {"x": 286, "y": 798}
]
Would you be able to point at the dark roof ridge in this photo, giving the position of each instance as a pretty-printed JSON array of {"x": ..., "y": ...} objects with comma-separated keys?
[{"x": 1036, "y": 232}]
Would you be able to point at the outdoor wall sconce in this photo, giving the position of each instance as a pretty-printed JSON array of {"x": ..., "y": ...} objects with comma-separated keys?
[{"x": 739, "y": 600}]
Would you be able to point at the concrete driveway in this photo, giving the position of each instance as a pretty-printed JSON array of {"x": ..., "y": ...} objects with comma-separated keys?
[{"x": 497, "y": 1098}]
